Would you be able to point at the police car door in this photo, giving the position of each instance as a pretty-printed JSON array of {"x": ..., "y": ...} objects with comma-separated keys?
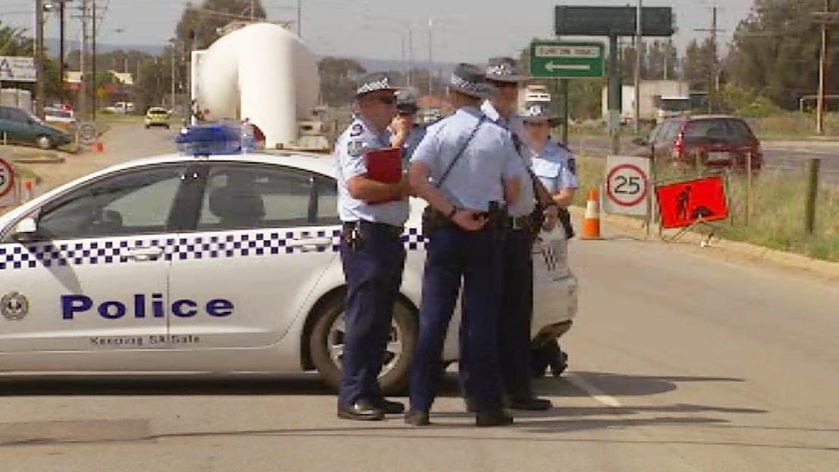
[
  {"x": 259, "y": 248},
  {"x": 93, "y": 277}
]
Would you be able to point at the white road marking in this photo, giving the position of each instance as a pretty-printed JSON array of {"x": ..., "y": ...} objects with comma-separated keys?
[{"x": 592, "y": 391}]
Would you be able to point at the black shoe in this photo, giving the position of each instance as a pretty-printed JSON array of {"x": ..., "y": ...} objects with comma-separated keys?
[
  {"x": 389, "y": 407},
  {"x": 530, "y": 402},
  {"x": 493, "y": 418},
  {"x": 363, "y": 410},
  {"x": 417, "y": 418}
]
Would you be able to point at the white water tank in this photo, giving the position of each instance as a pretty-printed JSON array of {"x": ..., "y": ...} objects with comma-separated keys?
[{"x": 262, "y": 72}]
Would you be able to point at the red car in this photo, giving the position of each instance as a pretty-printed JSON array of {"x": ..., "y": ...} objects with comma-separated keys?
[{"x": 716, "y": 141}]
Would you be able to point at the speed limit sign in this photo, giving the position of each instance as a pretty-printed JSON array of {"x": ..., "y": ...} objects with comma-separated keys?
[
  {"x": 7, "y": 183},
  {"x": 627, "y": 185}
]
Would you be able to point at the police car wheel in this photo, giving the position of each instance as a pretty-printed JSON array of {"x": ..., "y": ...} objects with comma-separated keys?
[{"x": 326, "y": 344}]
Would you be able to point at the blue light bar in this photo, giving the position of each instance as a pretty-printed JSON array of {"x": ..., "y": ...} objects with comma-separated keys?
[{"x": 209, "y": 140}]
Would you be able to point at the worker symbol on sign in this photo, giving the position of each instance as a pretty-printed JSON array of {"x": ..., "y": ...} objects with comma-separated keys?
[{"x": 683, "y": 203}]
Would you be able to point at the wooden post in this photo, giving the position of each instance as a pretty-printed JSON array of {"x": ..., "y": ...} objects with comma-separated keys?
[
  {"x": 748, "y": 189},
  {"x": 813, "y": 166}
]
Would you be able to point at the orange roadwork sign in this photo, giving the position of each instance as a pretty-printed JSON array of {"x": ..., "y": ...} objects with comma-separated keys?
[{"x": 684, "y": 203}]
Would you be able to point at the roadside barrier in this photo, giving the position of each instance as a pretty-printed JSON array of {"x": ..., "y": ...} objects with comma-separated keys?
[{"x": 591, "y": 220}]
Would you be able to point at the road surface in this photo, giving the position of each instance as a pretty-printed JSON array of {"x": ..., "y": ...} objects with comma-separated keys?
[{"x": 680, "y": 361}]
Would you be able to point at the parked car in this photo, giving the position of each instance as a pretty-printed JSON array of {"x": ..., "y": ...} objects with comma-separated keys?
[
  {"x": 716, "y": 141},
  {"x": 18, "y": 126},
  {"x": 58, "y": 116},
  {"x": 157, "y": 116}
]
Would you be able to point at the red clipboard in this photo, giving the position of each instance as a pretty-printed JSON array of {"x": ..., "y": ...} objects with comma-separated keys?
[{"x": 385, "y": 166}]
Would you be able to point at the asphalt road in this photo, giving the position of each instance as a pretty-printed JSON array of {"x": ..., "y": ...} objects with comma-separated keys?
[
  {"x": 782, "y": 155},
  {"x": 680, "y": 361}
]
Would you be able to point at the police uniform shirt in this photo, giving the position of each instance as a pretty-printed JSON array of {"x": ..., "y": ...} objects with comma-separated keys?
[
  {"x": 488, "y": 160},
  {"x": 415, "y": 135},
  {"x": 527, "y": 201},
  {"x": 350, "y": 162},
  {"x": 556, "y": 167}
]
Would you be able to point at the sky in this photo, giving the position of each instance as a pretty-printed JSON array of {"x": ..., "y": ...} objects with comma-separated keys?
[{"x": 460, "y": 31}]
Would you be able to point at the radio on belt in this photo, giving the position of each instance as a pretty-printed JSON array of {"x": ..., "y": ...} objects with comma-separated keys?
[{"x": 210, "y": 140}]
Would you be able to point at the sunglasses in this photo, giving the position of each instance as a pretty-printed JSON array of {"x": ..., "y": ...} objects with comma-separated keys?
[
  {"x": 500, "y": 84},
  {"x": 387, "y": 100}
]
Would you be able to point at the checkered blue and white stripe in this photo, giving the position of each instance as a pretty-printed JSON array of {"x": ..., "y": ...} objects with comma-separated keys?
[{"x": 186, "y": 247}]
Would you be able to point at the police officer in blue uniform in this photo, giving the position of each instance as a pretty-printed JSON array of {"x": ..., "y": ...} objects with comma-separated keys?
[
  {"x": 371, "y": 251},
  {"x": 406, "y": 131},
  {"x": 554, "y": 164},
  {"x": 517, "y": 304},
  {"x": 465, "y": 167}
]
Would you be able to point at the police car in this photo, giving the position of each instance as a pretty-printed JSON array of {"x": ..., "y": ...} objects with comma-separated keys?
[{"x": 216, "y": 264}]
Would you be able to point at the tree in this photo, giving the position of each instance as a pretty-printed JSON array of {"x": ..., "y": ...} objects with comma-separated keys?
[
  {"x": 698, "y": 64},
  {"x": 14, "y": 42},
  {"x": 662, "y": 61},
  {"x": 775, "y": 51},
  {"x": 338, "y": 79},
  {"x": 153, "y": 85},
  {"x": 199, "y": 26}
]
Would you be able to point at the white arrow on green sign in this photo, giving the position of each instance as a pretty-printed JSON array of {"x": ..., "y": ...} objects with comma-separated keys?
[{"x": 566, "y": 60}]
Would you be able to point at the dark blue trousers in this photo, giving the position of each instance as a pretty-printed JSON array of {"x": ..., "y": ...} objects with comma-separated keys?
[
  {"x": 373, "y": 272},
  {"x": 516, "y": 313},
  {"x": 471, "y": 258}
]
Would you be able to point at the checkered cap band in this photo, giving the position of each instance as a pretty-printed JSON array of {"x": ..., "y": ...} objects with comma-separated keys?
[
  {"x": 461, "y": 83},
  {"x": 382, "y": 84}
]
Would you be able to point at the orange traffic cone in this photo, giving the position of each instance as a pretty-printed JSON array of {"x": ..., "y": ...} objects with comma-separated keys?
[{"x": 591, "y": 220}]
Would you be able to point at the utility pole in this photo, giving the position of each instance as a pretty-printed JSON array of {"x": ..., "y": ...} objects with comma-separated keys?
[
  {"x": 253, "y": 8},
  {"x": 299, "y": 19},
  {"x": 39, "y": 58},
  {"x": 823, "y": 67},
  {"x": 83, "y": 64},
  {"x": 93, "y": 62},
  {"x": 62, "y": 19},
  {"x": 713, "y": 79},
  {"x": 638, "y": 40},
  {"x": 430, "y": 58}
]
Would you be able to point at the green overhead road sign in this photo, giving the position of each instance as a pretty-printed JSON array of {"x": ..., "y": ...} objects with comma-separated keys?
[{"x": 566, "y": 60}]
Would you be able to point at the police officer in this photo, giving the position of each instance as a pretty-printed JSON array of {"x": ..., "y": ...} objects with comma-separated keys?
[
  {"x": 517, "y": 301},
  {"x": 553, "y": 163},
  {"x": 407, "y": 133},
  {"x": 464, "y": 167},
  {"x": 555, "y": 166},
  {"x": 371, "y": 251}
]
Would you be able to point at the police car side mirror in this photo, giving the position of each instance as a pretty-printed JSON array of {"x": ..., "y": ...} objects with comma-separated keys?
[{"x": 26, "y": 230}]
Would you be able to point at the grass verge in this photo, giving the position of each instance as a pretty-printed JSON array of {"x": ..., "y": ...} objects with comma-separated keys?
[{"x": 777, "y": 217}]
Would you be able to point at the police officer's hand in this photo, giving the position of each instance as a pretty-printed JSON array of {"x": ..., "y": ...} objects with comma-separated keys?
[
  {"x": 404, "y": 188},
  {"x": 470, "y": 220},
  {"x": 401, "y": 126},
  {"x": 551, "y": 218}
]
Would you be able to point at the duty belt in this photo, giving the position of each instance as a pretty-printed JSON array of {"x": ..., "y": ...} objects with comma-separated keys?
[
  {"x": 518, "y": 223},
  {"x": 369, "y": 225}
]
